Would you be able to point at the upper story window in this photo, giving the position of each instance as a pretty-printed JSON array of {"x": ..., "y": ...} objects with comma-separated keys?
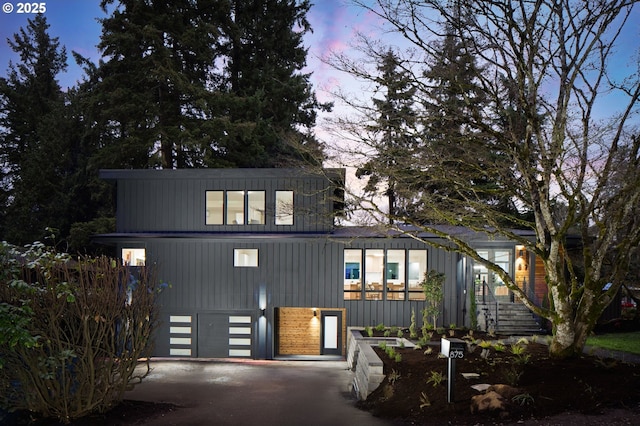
[
  {"x": 234, "y": 208},
  {"x": 214, "y": 208},
  {"x": 133, "y": 256},
  {"x": 284, "y": 208}
]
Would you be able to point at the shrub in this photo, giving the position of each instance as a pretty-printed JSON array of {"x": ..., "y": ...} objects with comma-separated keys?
[
  {"x": 433, "y": 289},
  {"x": 380, "y": 327},
  {"x": 435, "y": 378},
  {"x": 394, "y": 376},
  {"x": 81, "y": 327},
  {"x": 499, "y": 347},
  {"x": 413, "y": 332}
]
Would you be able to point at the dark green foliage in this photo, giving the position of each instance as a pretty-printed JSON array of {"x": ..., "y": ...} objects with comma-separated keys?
[
  {"x": 394, "y": 140},
  {"x": 204, "y": 84},
  {"x": 49, "y": 180}
]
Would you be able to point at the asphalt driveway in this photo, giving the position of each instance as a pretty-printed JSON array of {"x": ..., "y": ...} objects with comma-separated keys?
[{"x": 253, "y": 393}]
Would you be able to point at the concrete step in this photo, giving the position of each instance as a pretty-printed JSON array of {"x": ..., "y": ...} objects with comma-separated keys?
[{"x": 513, "y": 318}]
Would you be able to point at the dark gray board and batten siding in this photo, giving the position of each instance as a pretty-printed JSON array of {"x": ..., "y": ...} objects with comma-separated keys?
[{"x": 174, "y": 200}]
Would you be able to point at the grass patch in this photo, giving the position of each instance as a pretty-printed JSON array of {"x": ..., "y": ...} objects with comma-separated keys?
[{"x": 626, "y": 342}]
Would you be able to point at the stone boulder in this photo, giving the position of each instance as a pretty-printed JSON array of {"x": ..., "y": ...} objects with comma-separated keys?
[{"x": 496, "y": 400}]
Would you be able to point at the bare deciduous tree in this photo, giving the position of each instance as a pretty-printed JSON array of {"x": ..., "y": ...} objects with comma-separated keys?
[{"x": 557, "y": 117}]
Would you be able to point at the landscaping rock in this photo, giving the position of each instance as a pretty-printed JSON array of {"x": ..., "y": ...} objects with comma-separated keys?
[
  {"x": 489, "y": 402},
  {"x": 495, "y": 400},
  {"x": 506, "y": 391}
]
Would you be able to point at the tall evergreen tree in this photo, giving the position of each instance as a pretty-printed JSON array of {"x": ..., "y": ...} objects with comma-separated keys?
[
  {"x": 458, "y": 149},
  {"x": 213, "y": 83},
  {"x": 34, "y": 144},
  {"x": 269, "y": 103},
  {"x": 394, "y": 133},
  {"x": 151, "y": 90}
]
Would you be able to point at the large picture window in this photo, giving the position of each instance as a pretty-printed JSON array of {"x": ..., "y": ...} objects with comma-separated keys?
[{"x": 394, "y": 274}]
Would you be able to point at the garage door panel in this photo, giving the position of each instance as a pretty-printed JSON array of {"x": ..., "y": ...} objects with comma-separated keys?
[{"x": 223, "y": 335}]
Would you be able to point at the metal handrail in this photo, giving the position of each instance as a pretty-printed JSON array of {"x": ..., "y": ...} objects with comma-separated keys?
[{"x": 488, "y": 315}]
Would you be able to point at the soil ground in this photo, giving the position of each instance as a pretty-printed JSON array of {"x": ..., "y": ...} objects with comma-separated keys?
[{"x": 587, "y": 390}]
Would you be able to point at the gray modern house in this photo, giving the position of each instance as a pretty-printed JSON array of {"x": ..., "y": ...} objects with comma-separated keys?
[{"x": 258, "y": 267}]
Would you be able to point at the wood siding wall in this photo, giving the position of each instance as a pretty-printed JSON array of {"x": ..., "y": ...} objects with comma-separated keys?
[{"x": 299, "y": 331}]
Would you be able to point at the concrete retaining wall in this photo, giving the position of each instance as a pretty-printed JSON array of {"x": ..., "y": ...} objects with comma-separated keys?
[{"x": 369, "y": 368}]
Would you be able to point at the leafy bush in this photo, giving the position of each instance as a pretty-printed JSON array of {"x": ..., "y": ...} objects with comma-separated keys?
[
  {"x": 71, "y": 331},
  {"x": 435, "y": 378},
  {"x": 433, "y": 289}
]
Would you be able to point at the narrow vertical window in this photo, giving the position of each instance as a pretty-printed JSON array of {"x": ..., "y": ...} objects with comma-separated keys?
[
  {"x": 235, "y": 207},
  {"x": 395, "y": 274},
  {"x": 417, "y": 270},
  {"x": 373, "y": 269},
  {"x": 284, "y": 208},
  {"x": 352, "y": 274},
  {"x": 214, "y": 208},
  {"x": 245, "y": 258},
  {"x": 255, "y": 203}
]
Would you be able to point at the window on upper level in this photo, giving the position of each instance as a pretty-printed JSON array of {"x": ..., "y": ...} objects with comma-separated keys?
[
  {"x": 133, "y": 256},
  {"x": 235, "y": 207},
  {"x": 256, "y": 203},
  {"x": 214, "y": 208},
  {"x": 284, "y": 208}
]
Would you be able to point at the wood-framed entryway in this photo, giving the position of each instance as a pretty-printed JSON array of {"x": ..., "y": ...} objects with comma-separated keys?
[{"x": 310, "y": 331}]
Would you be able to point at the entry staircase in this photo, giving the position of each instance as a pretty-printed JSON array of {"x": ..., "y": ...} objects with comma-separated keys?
[{"x": 507, "y": 318}]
